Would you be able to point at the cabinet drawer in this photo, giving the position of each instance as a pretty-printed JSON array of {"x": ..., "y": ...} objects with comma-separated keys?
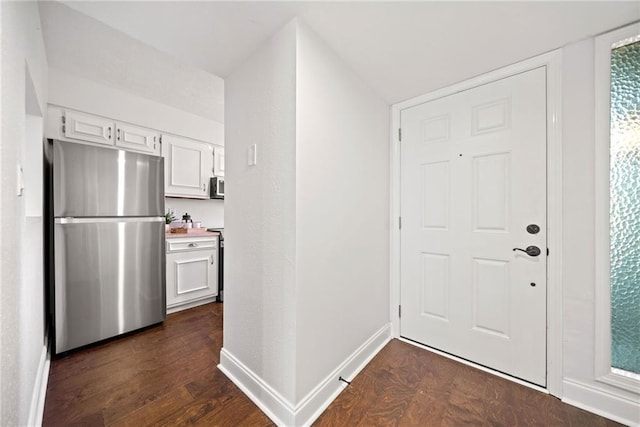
[{"x": 182, "y": 245}]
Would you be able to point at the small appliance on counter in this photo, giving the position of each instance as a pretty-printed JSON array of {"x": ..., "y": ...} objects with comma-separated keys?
[
  {"x": 220, "y": 297},
  {"x": 216, "y": 188}
]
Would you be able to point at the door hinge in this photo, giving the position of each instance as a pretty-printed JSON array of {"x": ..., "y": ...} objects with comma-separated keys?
[
  {"x": 399, "y": 223},
  {"x": 399, "y": 311},
  {"x": 399, "y": 134},
  {"x": 64, "y": 120}
]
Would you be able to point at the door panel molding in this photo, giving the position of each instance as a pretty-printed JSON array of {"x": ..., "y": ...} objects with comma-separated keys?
[{"x": 552, "y": 62}]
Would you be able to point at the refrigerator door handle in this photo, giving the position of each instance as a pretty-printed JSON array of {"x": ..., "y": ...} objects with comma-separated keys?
[{"x": 76, "y": 220}]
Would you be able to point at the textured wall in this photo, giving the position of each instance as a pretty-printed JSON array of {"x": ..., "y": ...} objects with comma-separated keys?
[
  {"x": 209, "y": 212},
  {"x": 260, "y": 295},
  {"x": 342, "y": 212},
  {"x": 21, "y": 295},
  {"x": 70, "y": 90},
  {"x": 93, "y": 50}
]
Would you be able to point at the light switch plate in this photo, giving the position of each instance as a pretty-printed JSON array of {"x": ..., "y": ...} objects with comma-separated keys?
[
  {"x": 20, "y": 181},
  {"x": 252, "y": 155}
]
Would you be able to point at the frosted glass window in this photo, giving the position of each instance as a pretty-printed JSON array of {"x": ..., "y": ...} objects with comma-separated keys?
[{"x": 625, "y": 207}]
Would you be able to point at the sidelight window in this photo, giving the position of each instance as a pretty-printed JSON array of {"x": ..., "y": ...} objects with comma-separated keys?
[{"x": 624, "y": 208}]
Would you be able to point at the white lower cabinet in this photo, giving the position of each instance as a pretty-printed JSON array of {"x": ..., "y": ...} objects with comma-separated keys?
[{"x": 192, "y": 271}]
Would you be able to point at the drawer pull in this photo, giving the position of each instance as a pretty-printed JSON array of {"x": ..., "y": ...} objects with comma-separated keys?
[{"x": 193, "y": 245}]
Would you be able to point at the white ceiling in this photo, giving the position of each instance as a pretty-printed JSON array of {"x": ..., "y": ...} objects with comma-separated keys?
[{"x": 402, "y": 49}]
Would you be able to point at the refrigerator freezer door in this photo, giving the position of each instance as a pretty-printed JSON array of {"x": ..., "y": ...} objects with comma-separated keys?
[
  {"x": 109, "y": 278},
  {"x": 93, "y": 181}
]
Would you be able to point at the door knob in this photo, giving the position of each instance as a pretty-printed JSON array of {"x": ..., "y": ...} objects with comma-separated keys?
[{"x": 531, "y": 250}]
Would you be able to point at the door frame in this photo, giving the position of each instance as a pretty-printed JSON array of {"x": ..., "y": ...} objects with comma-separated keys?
[{"x": 553, "y": 63}]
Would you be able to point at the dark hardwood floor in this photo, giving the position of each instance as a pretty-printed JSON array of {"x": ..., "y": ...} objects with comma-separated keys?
[{"x": 167, "y": 375}]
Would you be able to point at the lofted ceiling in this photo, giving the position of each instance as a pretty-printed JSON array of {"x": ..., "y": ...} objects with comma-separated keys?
[{"x": 401, "y": 49}]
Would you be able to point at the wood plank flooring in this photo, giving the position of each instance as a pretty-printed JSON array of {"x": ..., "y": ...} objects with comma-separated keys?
[{"x": 166, "y": 376}]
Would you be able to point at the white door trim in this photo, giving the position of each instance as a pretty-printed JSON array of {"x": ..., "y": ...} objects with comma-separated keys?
[{"x": 553, "y": 63}]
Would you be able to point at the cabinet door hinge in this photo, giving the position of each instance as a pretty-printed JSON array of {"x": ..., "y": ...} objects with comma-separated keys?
[
  {"x": 399, "y": 223},
  {"x": 64, "y": 119},
  {"x": 399, "y": 311},
  {"x": 399, "y": 134}
]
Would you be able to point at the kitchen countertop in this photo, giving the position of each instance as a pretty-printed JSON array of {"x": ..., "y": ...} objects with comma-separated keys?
[{"x": 193, "y": 232}]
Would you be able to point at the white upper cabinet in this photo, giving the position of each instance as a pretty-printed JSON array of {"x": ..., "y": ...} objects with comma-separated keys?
[
  {"x": 81, "y": 127},
  {"x": 188, "y": 165},
  {"x": 218, "y": 160},
  {"x": 85, "y": 127},
  {"x": 137, "y": 138}
]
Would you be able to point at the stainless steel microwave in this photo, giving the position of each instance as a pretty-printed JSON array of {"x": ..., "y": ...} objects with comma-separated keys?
[{"x": 216, "y": 188}]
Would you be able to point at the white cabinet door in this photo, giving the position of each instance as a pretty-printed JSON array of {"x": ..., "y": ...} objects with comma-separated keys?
[
  {"x": 192, "y": 270},
  {"x": 137, "y": 138},
  {"x": 188, "y": 165},
  {"x": 84, "y": 127},
  {"x": 218, "y": 161}
]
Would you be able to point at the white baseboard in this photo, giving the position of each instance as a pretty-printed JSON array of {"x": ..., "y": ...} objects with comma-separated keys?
[
  {"x": 191, "y": 304},
  {"x": 280, "y": 410},
  {"x": 601, "y": 402},
  {"x": 36, "y": 410}
]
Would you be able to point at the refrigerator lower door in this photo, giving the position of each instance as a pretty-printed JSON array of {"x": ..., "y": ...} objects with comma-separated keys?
[{"x": 109, "y": 278}]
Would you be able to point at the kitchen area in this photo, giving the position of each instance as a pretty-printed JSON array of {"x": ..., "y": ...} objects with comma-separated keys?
[{"x": 121, "y": 255}]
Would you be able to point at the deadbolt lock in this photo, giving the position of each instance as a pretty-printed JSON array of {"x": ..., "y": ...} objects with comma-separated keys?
[{"x": 533, "y": 229}]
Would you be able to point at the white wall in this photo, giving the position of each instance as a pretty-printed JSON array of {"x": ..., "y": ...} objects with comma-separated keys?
[
  {"x": 579, "y": 146},
  {"x": 306, "y": 267},
  {"x": 342, "y": 212},
  {"x": 70, "y": 90},
  {"x": 95, "y": 51},
  {"x": 260, "y": 258},
  {"x": 209, "y": 212},
  {"x": 21, "y": 288}
]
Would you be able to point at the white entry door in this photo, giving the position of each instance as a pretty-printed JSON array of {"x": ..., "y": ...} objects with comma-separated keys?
[{"x": 473, "y": 199}]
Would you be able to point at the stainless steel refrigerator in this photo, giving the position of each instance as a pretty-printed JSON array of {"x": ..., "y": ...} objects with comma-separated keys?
[{"x": 106, "y": 242}]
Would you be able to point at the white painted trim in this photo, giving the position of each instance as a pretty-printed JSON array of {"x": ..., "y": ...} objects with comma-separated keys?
[
  {"x": 554, "y": 225},
  {"x": 602, "y": 335},
  {"x": 316, "y": 401},
  {"x": 394, "y": 238},
  {"x": 280, "y": 410},
  {"x": 36, "y": 409},
  {"x": 274, "y": 405},
  {"x": 598, "y": 401},
  {"x": 553, "y": 63},
  {"x": 174, "y": 308}
]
